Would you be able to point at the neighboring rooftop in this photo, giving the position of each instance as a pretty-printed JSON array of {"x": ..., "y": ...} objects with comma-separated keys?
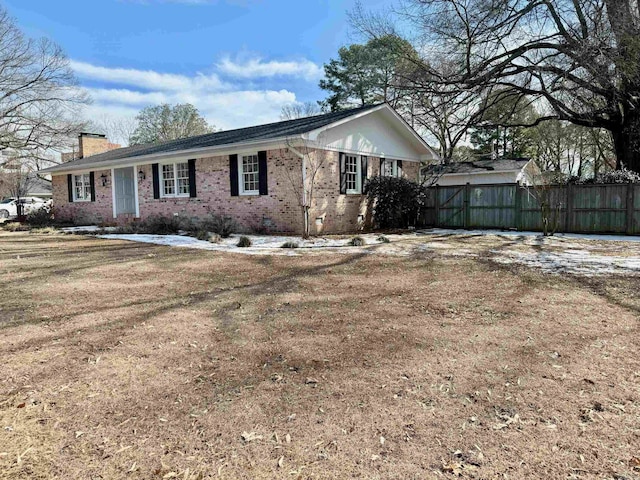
[
  {"x": 287, "y": 128},
  {"x": 39, "y": 186},
  {"x": 477, "y": 166},
  {"x": 32, "y": 186}
]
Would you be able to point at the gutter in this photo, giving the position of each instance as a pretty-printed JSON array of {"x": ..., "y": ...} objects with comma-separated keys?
[{"x": 304, "y": 187}]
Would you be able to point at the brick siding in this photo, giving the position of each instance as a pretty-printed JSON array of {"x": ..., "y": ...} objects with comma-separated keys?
[
  {"x": 279, "y": 211},
  {"x": 99, "y": 212},
  {"x": 343, "y": 213}
]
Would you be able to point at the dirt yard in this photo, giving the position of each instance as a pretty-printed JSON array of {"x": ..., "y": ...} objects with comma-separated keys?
[{"x": 126, "y": 360}]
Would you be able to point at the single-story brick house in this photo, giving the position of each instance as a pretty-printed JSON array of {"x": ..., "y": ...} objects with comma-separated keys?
[{"x": 260, "y": 176}]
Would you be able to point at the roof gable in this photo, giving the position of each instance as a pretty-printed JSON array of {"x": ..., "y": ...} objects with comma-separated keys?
[{"x": 379, "y": 131}]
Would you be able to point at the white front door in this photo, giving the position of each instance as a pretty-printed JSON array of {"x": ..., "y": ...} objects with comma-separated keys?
[{"x": 124, "y": 186}]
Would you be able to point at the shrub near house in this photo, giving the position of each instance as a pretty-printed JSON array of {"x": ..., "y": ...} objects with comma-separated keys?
[
  {"x": 254, "y": 175},
  {"x": 396, "y": 201}
]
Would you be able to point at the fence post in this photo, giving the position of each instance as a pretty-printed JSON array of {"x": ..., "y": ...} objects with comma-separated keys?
[
  {"x": 630, "y": 209},
  {"x": 569, "y": 213},
  {"x": 436, "y": 222},
  {"x": 466, "y": 209},
  {"x": 517, "y": 214}
]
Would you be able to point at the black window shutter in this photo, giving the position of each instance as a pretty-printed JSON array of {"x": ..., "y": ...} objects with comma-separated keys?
[
  {"x": 92, "y": 182},
  {"x": 343, "y": 174},
  {"x": 192, "y": 178},
  {"x": 233, "y": 174},
  {"x": 70, "y": 187},
  {"x": 156, "y": 180},
  {"x": 399, "y": 167},
  {"x": 262, "y": 172},
  {"x": 363, "y": 172}
]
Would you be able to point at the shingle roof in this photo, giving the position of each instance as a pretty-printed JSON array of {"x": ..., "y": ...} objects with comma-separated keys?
[
  {"x": 287, "y": 128},
  {"x": 477, "y": 166}
]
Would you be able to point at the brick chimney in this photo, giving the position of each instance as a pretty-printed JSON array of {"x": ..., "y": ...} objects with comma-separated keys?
[{"x": 94, "y": 143}]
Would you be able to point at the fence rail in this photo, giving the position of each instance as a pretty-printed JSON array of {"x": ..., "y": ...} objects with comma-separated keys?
[{"x": 573, "y": 208}]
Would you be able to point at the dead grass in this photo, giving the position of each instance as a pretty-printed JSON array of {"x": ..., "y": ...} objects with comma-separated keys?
[{"x": 123, "y": 360}]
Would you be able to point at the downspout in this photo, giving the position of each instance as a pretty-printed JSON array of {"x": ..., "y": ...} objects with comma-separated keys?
[{"x": 304, "y": 188}]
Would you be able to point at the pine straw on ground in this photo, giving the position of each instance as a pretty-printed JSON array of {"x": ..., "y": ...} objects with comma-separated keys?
[{"x": 123, "y": 360}]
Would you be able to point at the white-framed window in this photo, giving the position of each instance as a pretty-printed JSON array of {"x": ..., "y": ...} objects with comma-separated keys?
[
  {"x": 82, "y": 188},
  {"x": 389, "y": 168},
  {"x": 249, "y": 173},
  {"x": 353, "y": 173},
  {"x": 174, "y": 180}
]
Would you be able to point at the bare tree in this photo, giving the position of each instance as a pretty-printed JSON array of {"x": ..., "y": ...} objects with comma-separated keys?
[
  {"x": 578, "y": 59},
  {"x": 16, "y": 181},
  {"x": 292, "y": 111},
  {"x": 388, "y": 69},
  {"x": 571, "y": 149},
  {"x": 39, "y": 98},
  {"x": 303, "y": 181},
  {"x": 446, "y": 118},
  {"x": 117, "y": 129},
  {"x": 546, "y": 188}
]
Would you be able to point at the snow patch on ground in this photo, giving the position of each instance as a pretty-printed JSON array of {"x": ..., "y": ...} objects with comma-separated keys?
[
  {"x": 513, "y": 233},
  {"x": 262, "y": 244},
  {"x": 86, "y": 229},
  {"x": 572, "y": 253},
  {"x": 577, "y": 262},
  {"x": 585, "y": 255}
]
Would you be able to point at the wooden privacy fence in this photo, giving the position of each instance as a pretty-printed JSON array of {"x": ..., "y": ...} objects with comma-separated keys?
[{"x": 610, "y": 208}]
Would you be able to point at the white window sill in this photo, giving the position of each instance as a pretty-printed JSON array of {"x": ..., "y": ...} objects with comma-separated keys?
[
  {"x": 252, "y": 193},
  {"x": 186, "y": 195},
  {"x": 353, "y": 192},
  {"x": 80, "y": 200}
]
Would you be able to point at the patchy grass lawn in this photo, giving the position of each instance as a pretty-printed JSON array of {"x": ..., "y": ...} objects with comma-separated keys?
[{"x": 129, "y": 360}]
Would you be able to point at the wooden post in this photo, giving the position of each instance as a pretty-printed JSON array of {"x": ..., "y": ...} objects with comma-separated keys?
[
  {"x": 518, "y": 207},
  {"x": 630, "y": 209},
  {"x": 436, "y": 223},
  {"x": 569, "y": 213},
  {"x": 466, "y": 209}
]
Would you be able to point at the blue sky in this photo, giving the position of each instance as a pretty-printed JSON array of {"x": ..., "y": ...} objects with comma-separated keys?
[{"x": 238, "y": 61}]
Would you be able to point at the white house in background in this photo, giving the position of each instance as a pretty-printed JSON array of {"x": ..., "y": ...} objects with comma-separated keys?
[{"x": 516, "y": 170}]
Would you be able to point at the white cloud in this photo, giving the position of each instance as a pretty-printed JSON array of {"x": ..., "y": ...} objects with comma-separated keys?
[
  {"x": 257, "y": 68},
  {"x": 225, "y": 110},
  {"x": 125, "y": 96},
  {"x": 119, "y": 93},
  {"x": 148, "y": 79}
]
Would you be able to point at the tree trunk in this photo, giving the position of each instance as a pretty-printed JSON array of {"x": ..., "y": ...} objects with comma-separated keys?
[
  {"x": 306, "y": 228},
  {"x": 626, "y": 142}
]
